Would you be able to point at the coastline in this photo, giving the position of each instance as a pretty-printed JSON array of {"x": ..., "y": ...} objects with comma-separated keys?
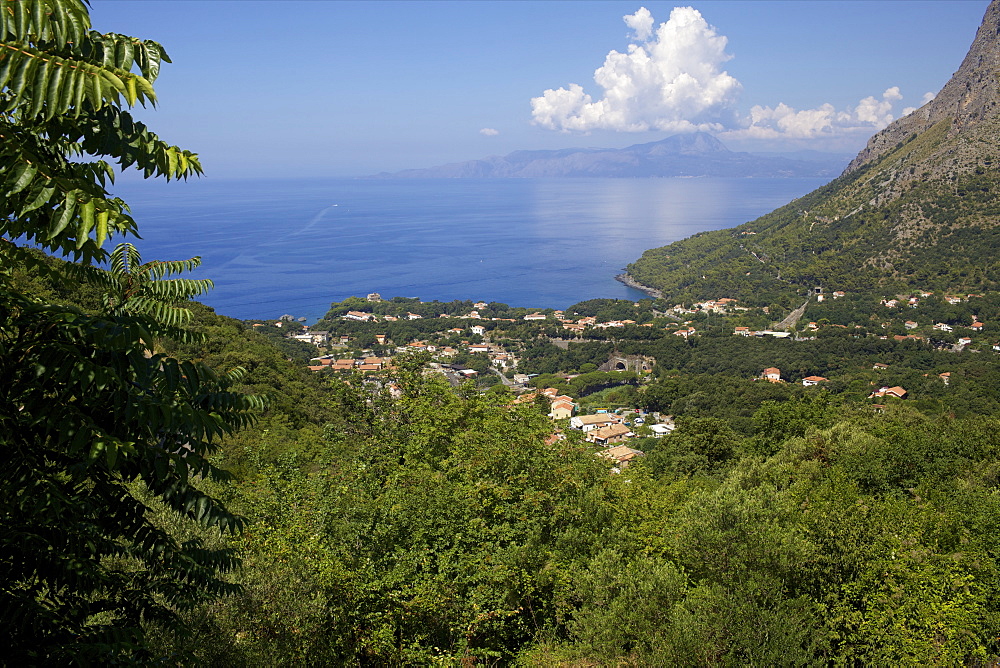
[{"x": 627, "y": 279}]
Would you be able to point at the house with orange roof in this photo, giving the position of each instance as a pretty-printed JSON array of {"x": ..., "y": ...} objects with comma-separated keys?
[
  {"x": 621, "y": 455},
  {"x": 586, "y": 423},
  {"x": 613, "y": 433},
  {"x": 809, "y": 381},
  {"x": 562, "y": 410},
  {"x": 896, "y": 391},
  {"x": 772, "y": 374}
]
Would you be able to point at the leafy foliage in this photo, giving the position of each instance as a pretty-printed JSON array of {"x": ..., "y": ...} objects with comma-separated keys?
[
  {"x": 77, "y": 543},
  {"x": 62, "y": 86},
  {"x": 98, "y": 434}
]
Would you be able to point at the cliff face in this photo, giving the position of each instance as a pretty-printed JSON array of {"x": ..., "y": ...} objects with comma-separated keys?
[{"x": 966, "y": 107}]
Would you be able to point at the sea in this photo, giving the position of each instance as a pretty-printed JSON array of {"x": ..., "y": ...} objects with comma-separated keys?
[{"x": 276, "y": 247}]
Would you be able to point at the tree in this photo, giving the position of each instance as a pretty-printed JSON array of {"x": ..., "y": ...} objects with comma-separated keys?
[
  {"x": 131, "y": 286},
  {"x": 62, "y": 89},
  {"x": 96, "y": 431}
]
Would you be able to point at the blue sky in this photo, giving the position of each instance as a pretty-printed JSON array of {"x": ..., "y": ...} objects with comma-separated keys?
[{"x": 291, "y": 88}]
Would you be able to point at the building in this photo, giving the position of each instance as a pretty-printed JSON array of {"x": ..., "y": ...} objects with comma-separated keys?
[
  {"x": 621, "y": 455},
  {"x": 613, "y": 433},
  {"x": 588, "y": 422},
  {"x": 896, "y": 391},
  {"x": 562, "y": 410},
  {"x": 772, "y": 374},
  {"x": 809, "y": 381}
]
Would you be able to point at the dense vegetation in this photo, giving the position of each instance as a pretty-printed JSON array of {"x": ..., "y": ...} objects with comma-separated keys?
[
  {"x": 392, "y": 519},
  {"x": 779, "y": 524}
]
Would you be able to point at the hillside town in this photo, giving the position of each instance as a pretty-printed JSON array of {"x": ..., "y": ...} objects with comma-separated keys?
[{"x": 494, "y": 346}]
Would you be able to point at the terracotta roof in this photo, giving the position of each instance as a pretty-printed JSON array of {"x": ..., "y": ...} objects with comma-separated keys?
[
  {"x": 611, "y": 431},
  {"x": 597, "y": 419},
  {"x": 621, "y": 453}
]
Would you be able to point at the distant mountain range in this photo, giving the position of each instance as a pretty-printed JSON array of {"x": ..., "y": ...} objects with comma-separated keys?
[
  {"x": 689, "y": 155},
  {"x": 919, "y": 207}
]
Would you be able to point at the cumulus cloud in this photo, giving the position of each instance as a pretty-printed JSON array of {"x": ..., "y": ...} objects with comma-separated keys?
[
  {"x": 641, "y": 23},
  {"x": 489, "y": 132},
  {"x": 671, "y": 80},
  {"x": 869, "y": 114}
]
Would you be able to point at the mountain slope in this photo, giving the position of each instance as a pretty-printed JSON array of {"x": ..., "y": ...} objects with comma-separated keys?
[
  {"x": 918, "y": 207},
  {"x": 696, "y": 154}
]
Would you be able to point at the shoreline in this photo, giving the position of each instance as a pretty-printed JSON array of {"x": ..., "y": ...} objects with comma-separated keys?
[{"x": 627, "y": 279}]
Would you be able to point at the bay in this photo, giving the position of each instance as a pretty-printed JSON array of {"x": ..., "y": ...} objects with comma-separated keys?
[{"x": 275, "y": 247}]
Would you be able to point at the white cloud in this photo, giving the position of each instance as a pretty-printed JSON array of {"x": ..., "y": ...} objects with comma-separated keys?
[
  {"x": 671, "y": 80},
  {"x": 489, "y": 132},
  {"x": 642, "y": 23},
  {"x": 869, "y": 115}
]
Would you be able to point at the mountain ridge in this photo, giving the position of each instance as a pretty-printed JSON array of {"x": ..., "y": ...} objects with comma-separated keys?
[{"x": 685, "y": 155}]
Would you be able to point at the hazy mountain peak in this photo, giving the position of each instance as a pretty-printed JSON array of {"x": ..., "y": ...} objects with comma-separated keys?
[{"x": 692, "y": 154}]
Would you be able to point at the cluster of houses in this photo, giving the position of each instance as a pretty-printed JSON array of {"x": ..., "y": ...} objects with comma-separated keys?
[
  {"x": 605, "y": 429},
  {"x": 723, "y": 305},
  {"x": 913, "y": 301},
  {"x": 746, "y": 331},
  {"x": 349, "y": 364},
  {"x": 773, "y": 375}
]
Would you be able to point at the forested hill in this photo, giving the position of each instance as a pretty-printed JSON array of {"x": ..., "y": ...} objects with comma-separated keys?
[{"x": 916, "y": 208}]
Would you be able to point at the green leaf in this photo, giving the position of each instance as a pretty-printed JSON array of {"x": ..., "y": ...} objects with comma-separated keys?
[
  {"x": 65, "y": 215},
  {"x": 22, "y": 177},
  {"x": 85, "y": 223},
  {"x": 102, "y": 227},
  {"x": 40, "y": 84},
  {"x": 43, "y": 196}
]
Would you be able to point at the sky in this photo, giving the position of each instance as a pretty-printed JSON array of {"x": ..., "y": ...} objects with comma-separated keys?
[{"x": 291, "y": 88}]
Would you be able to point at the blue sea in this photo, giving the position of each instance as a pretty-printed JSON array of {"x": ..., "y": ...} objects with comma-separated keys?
[{"x": 282, "y": 246}]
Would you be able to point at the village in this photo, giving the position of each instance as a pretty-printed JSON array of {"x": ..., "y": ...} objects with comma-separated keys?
[{"x": 486, "y": 345}]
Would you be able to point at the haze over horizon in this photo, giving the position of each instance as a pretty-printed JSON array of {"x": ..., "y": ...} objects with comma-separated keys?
[{"x": 351, "y": 88}]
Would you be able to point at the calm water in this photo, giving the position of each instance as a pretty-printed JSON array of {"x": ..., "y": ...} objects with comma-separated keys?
[{"x": 275, "y": 247}]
